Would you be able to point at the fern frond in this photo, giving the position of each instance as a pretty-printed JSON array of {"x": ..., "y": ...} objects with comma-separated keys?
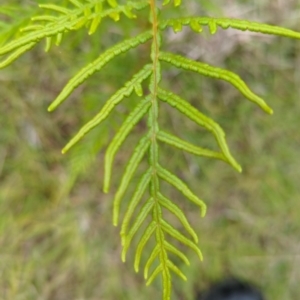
[
  {"x": 96, "y": 65},
  {"x": 59, "y": 20},
  {"x": 214, "y": 72},
  {"x": 196, "y": 24},
  {"x": 183, "y": 145},
  {"x": 33, "y": 37}
]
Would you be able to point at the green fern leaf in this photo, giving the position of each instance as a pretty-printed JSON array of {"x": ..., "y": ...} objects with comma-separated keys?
[
  {"x": 182, "y": 187},
  {"x": 144, "y": 239},
  {"x": 141, "y": 217},
  {"x": 33, "y": 37},
  {"x": 140, "y": 76},
  {"x": 15, "y": 55},
  {"x": 210, "y": 71},
  {"x": 181, "y": 238},
  {"x": 56, "y": 8},
  {"x": 141, "y": 188},
  {"x": 176, "y": 270},
  {"x": 71, "y": 19},
  {"x": 176, "y": 2},
  {"x": 177, "y": 252},
  {"x": 112, "y": 3},
  {"x": 77, "y": 3},
  {"x": 183, "y": 145},
  {"x": 196, "y": 24},
  {"x": 90, "y": 14},
  {"x": 172, "y": 207},
  {"x": 155, "y": 273},
  {"x": 139, "y": 153},
  {"x": 150, "y": 260},
  {"x": 96, "y": 20},
  {"x": 96, "y": 65},
  {"x": 133, "y": 118},
  {"x": 201, "y": 120}
]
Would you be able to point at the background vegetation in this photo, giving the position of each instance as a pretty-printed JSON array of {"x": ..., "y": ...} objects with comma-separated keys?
[{"x": 57, "y": 241}]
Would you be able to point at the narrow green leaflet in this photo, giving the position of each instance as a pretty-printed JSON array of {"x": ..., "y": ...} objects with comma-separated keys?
[
  {"x": 109, "y": 105},
  {"x": 141, "y": 217},
  {"x": 144, "y": 239},
  {"x": 202, "y": 120},
  {"x": 180, "y": 237},
  {"x": 96, "y": 20},
  {"x": 112, "y": 3},
  {"x": 151, "y": 259},
  {"x": 155, "y": 273},
  {"x": 182, "y": 187},
  {"x": 68, "y": 20},
  {"x": 15, "y": 55},
  {"x": 76, "y": 3},
  {"x": 96, "y": 65},
  {"x": 36, "y": 36},
  {"x": 173, "y": 208},
  {"x": 139, "y": 153},
  {"x": 56, "y": 8},
  {"x": 176, "y": 2},
  {"x": 133, "y": 118},
  {"x": 214, "y": 72},
  {"x": 225, "y": 23},
  {"x": 177, "y": 252},
  {"x": 141, "y": 188},
  {"x": 183, "y": 145},
  {"x": 176, "y": 270}
]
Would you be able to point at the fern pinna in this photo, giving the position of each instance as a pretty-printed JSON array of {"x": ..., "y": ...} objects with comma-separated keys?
[{"x": 60, "y": 20}]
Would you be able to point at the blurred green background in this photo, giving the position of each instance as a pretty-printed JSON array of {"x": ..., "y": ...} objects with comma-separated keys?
[{"x": 57, "y": 241}]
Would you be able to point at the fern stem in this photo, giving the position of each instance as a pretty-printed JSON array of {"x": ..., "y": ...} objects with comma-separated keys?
[{"x": 153, "y": 152}]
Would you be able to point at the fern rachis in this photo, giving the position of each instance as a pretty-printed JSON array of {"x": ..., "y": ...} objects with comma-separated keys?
[{"x": 91, "y": 13}]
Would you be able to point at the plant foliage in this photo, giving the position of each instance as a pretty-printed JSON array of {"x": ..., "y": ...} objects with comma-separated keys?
[{"x": 59, "y": 20}]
